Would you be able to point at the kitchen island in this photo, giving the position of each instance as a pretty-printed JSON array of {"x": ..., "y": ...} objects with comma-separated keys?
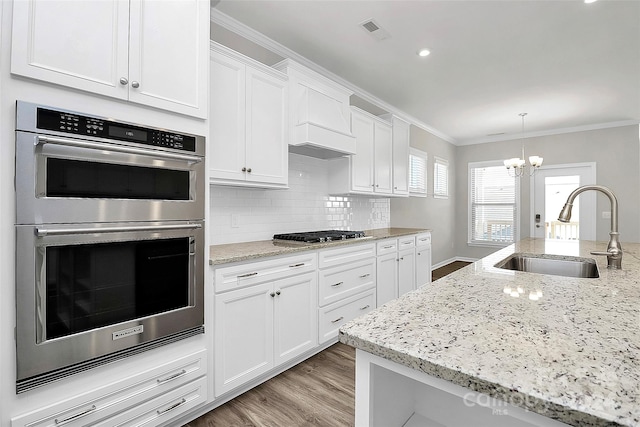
[{"x": 505, "y": 343}]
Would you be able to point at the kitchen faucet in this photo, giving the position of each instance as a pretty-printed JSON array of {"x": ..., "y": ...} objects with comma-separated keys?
[{"x": 614, "y": 249}]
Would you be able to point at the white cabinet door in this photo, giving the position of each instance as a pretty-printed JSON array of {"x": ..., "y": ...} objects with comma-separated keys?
[
  {"x": 295, "y": 319},
  {"x": 226, "y": 148},
  {"x": 387, "y": 278},
  {"x": 383, "y": 158},
  {"x": 168, "y": 54},
  {"x": 243, "y": 335},
  {"x": 76, "y": 43},
  {"x": 146, "y": 51},
  {"x": 362, "y": 174},
  {"x": 400, "y": 157},
  {"x": 406, "y": 271},
  {"x": 248, "y": 123},
  {"x": 423, "y": 266},
  {"x": 266, "y": 130}
]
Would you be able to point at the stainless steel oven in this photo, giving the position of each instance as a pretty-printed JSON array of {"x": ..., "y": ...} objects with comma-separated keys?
[
  {"x": 79, "y": 168},
  {"x": 109, "y": 243}
]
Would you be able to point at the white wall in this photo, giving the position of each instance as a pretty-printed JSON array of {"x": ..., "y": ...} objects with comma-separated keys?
[
  {"x": 428, "y": 212},
  {"x": 615, "y": 152},
  {"x": 305, "y": 206}
]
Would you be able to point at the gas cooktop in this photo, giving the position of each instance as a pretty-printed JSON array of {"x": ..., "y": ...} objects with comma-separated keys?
[{"x": 319, "y": 236}]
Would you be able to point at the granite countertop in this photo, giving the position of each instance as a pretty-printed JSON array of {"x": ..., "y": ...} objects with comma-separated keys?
[
  {"x": 566, "y": 348},
  {"x": 234, "y": 252}
]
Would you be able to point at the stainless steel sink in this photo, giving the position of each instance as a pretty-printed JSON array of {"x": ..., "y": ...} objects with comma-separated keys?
[{"x": 551, "y": 264}]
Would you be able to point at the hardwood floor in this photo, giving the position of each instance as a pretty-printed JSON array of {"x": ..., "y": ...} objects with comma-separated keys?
[{"x": 319, "y": 391}]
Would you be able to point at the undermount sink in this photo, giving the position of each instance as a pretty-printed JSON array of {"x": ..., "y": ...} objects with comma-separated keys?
[{"x": 551, "y": 264}]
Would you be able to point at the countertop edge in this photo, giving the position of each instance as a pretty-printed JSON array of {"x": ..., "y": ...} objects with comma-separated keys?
[{"x": 267, "y": 248}]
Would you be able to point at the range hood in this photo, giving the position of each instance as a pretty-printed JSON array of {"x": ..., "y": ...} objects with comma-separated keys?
[{"x": 319, "y": 114}]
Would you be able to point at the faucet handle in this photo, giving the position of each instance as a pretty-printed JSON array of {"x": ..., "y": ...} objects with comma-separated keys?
[{"x": 603, "y": 253}]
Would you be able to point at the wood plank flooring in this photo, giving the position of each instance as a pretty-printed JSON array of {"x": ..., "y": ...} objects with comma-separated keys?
[
  {"x": 319, "y": 391},
  {"x": 316, "y": 392}
]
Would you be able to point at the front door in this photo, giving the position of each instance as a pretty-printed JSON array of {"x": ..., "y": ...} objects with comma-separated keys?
[{"x": 551, "y": 185}]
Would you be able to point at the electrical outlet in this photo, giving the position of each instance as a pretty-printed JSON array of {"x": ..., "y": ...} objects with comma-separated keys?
[
  {"x": 234, "y": 220},
  {"x": 606, "y": 215}
]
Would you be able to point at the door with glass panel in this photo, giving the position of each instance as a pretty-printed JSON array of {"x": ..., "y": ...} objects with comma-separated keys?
[{"x": 550, "y": 187}]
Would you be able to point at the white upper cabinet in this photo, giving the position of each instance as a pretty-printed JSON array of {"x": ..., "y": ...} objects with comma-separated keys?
[
  {"x": 149, "y": 52},
  {"x": 369, "y": 171},
  {"x": 248, "y": 137},
  {"x": 400, "y": 155}
]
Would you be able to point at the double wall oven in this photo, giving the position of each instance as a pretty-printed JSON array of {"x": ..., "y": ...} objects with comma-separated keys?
[{"x": 109, "y": 240}]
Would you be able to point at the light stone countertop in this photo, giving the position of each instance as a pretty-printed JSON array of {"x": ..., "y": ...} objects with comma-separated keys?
[
  {"x": 572, "y": 355},
  {"x": 234, "y": 252}
]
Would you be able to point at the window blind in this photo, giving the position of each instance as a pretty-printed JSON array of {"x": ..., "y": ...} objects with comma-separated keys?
[
  {"x": 440, "y": 177},
  {"x": 417, "y": 172},
  {"x": 493, "y": 204}
]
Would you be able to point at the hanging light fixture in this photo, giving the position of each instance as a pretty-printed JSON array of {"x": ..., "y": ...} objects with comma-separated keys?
[{"x": 518, "y": 164}]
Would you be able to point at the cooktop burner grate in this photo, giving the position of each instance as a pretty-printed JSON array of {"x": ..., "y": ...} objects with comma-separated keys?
[{"x": 319, "y": 236}]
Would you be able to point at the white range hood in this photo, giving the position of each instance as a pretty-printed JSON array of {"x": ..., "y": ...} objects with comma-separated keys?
[{"x": 319, "y": 114}]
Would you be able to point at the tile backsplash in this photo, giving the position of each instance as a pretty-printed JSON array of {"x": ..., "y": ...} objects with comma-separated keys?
[{"x": 243, "y": 214}]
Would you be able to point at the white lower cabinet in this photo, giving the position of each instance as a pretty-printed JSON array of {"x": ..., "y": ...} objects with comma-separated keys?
[
  {"x": 268, "y": 319},
  {"x": 146, "y": 399},
  {"x": 346, "y": 287},
  {"x": 396, "y": 267},
  {"x": 423, "y": 259}
]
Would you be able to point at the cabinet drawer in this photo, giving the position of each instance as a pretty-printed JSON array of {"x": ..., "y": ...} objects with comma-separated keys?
[
  {"x": 387, "y": 246},
  {"x": 332, "y": 317},
  {"x": 423, "y": 239},
  {"x": 253, "y": 273},
  {"x": 345, "y": 254},
  {"x": 163, "y": 408},
  {"x": 118, "y": 396},
  {"x": 406, "y": 242},
  {"x": 345, "y": 280}
]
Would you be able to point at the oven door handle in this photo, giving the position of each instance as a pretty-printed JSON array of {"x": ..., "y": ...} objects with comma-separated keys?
[
  {"x": 119, "y": 148},
  {"x": 45, "y": 231}
]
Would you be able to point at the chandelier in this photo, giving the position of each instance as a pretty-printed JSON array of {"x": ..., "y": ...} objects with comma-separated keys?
[{"x": 518, "y": 165}]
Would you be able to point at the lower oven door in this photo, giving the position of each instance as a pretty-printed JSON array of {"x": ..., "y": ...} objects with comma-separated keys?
[{"x": 87, "y": 295}]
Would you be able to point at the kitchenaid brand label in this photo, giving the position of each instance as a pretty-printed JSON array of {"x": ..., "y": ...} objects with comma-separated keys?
[{"x": 126, "y": 332}]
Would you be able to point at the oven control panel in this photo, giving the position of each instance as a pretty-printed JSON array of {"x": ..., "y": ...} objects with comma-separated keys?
[{"x": 77, "y": 124}]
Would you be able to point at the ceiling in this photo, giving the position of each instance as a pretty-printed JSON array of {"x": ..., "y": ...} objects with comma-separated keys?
[{"x": 569, "y": 65}]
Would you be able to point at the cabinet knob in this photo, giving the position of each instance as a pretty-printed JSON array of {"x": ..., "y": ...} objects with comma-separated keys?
[
  {"x": 272, "y": 294},
  {"x": 135, "y": 84},
  {"x": 377, "y": 186},
  {"x": 249, "y": 170},
  {"x": 124, "y": 81},
  {"x": 278, "y": 292},
  {"x": 244, "y": 169}
]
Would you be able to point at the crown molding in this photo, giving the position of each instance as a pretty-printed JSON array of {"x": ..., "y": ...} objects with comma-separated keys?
[
  {"x": 260, "y": 39},
  {"x": 513, "y": 136}
]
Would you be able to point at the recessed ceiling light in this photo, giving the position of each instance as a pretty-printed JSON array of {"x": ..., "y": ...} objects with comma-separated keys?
[
  {"x": 590, "y": 1},
  {"x": 423, "y": 52}
]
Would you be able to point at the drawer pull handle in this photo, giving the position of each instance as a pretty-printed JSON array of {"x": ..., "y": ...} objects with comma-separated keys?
[
  {"x": 365, "y": 275},
  {"x": 172, "y": 407},
  {"x": 172, "y": 377},
  {"x": 338, "y": 319},
  {"x": 387, "y": 247},
  {"x": 247, "y": 275},
  {"x": 297, "y": 265},
  {"x": 335, "y": 285},
  {"x": 407, "y": 243},
  {"x": 365, "y": 307},
  {"x": 76, "y": 416}
]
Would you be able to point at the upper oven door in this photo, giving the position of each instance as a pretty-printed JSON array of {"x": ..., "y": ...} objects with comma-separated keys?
[{"x": 72, "y": 180}]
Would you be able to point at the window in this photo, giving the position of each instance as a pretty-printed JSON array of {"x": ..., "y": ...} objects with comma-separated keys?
[
  {"x": 440, "y": 178},
  {"x": 493, "y": 204},
  {"x": 417, "y": 172}
]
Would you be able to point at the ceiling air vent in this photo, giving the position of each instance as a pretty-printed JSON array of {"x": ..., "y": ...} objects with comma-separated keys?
[{"x": 373, "y": 28}]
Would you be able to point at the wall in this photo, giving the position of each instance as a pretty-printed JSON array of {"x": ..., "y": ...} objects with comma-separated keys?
[
  {"x": 615, "y": 151},
  {"x": 305, "y": 206},
  {"x": 428, "y": 212}
]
